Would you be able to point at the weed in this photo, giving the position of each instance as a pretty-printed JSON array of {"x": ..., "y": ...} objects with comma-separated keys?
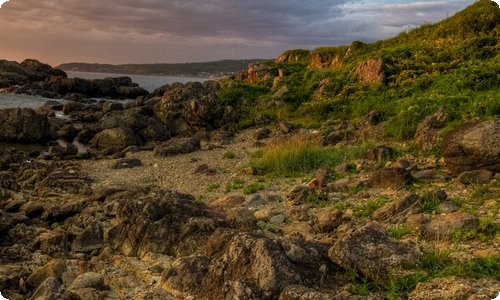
[
  {"x": 229, "y": 155},
  {"x": 212, "y": 187},
  {"x": 198, "y": 202},
  {"x": 236, "y": 183},
  {"x": 253, "y": 188},
  {"x": 365, "y": 210},
  {"x": 398, "y": 232},
  {"x": 314, "y": 198}
]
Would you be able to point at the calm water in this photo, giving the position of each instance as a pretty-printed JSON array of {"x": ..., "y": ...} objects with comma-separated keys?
[{"x": 150, "y": 83}]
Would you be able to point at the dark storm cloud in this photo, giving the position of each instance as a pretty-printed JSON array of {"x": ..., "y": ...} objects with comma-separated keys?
[{"x": 171, "y": 30}]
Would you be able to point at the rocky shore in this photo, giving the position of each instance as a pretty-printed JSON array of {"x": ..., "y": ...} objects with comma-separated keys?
[{"x": 156, "y": 208}]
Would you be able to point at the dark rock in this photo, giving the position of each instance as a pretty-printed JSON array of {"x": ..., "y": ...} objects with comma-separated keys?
[
  {"x": 163, "y": 224},
  {"x": 176, "y": 146},
  {"x": 378, "y": 257},
  {"x": 473, "y": 146},
  {"x": 49, "y": 289},
  {"x": 68, "y": 132},
  {"x": 379, "y": 154},
  {"x": 125, "y": 163},
  {"x": 186, "y": 273},
  {"x": 475, "y": 176},
  {"x": 242, "y": 261},
  {"x": 262, "y": 133},
  {"x": 23, "y": 125},
  {"x": 90, "y": 239},
  {"x": 389, "y": 177}
]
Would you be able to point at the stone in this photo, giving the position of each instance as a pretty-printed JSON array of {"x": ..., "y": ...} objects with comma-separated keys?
[
  {"x": 229, "y": 201},
  {"x": 474, "y": 145},
  {"x": 86, "y": 280},
  {"x": 176, "y": 146},
  {"x": 442, "y": 226},
  {"x": 186, "y": 273},
  {"x": 23, "y": 125},
  {"x": 389, "y": 177},
  {"x": 371, "y": 71},
  {"x": 262, "y": 133},
  {"x": 115, "y": 138},
  {"x": 53, "y": 269},
  {"x": 397, "y": 210},
  {"x": 375, "y": 255},
  {"x": 456, "y": 288},
  {"x": 49, "y": 289},
  {"x": 327, "y": 219},
  {"x": 475, "y": 176},
  {"x": 127, "y": 163},
  {"x": 92, "y": 238},
  {"x": 427, "y": 131}
]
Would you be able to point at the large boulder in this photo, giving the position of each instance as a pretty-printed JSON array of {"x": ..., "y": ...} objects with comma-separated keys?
[
  {"x": 428, "y": 130},
  {"x": 372, "y": 70},
  {"x": 471, "y": 146},
  {"x": 374, "y": 254},
  {"x": 176, "y": 146},
  {"x": 251, "y": 266},
  {"x": 165, "y": 222},
  {"x": 192, "y": 107},
  {"x": 115, "y": 138},
  {"x": 23, "y": 125}
]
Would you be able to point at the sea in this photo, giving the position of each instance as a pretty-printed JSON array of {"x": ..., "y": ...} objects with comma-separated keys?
[{"x": 148, "y": 82}]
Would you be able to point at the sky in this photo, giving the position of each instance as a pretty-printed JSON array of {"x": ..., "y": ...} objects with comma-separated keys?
[{"x": 179, "y": 31}]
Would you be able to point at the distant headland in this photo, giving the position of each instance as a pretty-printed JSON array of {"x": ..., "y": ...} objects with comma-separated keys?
[{"x": 220, "y": 68}]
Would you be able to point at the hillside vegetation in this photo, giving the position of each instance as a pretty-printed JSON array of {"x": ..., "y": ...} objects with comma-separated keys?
[{"x": 454, "y": 64}]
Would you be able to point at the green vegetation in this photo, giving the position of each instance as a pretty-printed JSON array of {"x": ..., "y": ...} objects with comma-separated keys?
[
  {"x": 229, "y": 155},
  {"x": 212, "y": 187},
  {"x": 398, "y": 232},
  {"x": 236, "y": 183},
  {"x": 452, "y": 64},
  {"x": 253, "y": 188}
]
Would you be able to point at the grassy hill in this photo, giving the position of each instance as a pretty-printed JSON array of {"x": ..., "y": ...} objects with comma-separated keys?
[
  {"x": 197, "y": 69},
  {"x": 453, "y": 64}
]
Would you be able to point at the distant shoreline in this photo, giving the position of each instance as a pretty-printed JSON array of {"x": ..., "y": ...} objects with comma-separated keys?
[{"x": 212, "y": 69}]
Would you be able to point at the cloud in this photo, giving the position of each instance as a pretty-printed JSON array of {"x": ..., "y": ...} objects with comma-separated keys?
[{"x": 178, "y": 30}]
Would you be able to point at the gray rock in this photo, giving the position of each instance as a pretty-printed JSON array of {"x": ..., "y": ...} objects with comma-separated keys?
[
  {"x": 375, "y": 255},
  {"x": 176, "y": 146},
  {"x": 23, "y": 125},
  {"x": 475, "y": 176},
  {"x": 473, "y": 146},
  {"x": 127, "y": 163},
  {"x": 442, "y": 226},
  {"x": 90, "y": 239}
]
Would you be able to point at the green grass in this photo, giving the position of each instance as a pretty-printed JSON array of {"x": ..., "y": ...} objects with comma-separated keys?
[
  {"x": 398, "y": 232},
  {"x": 299, "y": 154},
  {"x": 235, "y": 184},
  {"x": 229, "y": 155},
  {"x": 212, "y": 187},
  {"x": 253, "y": 188}
]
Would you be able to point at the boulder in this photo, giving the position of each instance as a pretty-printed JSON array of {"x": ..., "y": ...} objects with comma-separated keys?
[
  {"x": 191, "y": 107},
  {"x": 90, "y": 239},
  {"x": 23, "y": 125},
  {"x": 427, "y": 131},
  {"x": 472, "y": 146},
  {"x": 390, "y": 177},
  {"x": 114, "y": 138},
  {"x": 166, "y": 223},
  {"x": 129, "y": 118},
  {"x": 475, "y": 176},
  {"x": 256, "y": 266},
  {"x": 397, "y": 210},
  {"x": 176, "y": 146},
  {"x": 372, "y": 70},
  {"x": 53, "y": 269},
  {"x": 442, "y": 226},
  {"x": 370, "y": 251}
]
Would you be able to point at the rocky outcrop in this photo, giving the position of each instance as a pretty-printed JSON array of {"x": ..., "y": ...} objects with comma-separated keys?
[
  {"x": 471, "y": 146},
  {"x": 23, "y": 125},
  {"x": 35, "y": 78},
  {"x": 427, "y": 131},
  {"x": 375, "y": 255},
  {"x": 188, "y": 108},
  {"x": 115, "y": 138},
  {"x": 371, "y": 71}
]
